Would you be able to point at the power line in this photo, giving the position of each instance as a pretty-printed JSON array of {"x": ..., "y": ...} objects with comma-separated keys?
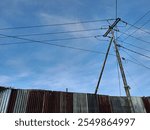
[
  {"x": 132, "y": 79},
  {"x": 57, "y": 24},
  {"x": 137, "y": 30},
  {"x": 96, "y": 37},
  {"x": 134, "y": 46},
  {"x": 138, "y": 64},
  {"x": 57, "y": 45},
  {"x": 56, "y": 40},
  {"x": 116, "y": 9},
  {"x": 135, "y": 37},
  {"x": 136, "y": 22},
  {"x": 116, "y": 15},
  {"x": 136, "y": 61},
  {"x": 61, "y": 32},
  {"x": 134, "y": 51}
]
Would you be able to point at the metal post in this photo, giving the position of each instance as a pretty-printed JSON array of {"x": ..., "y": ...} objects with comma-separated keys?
[
  {"x": 126, "y": 87},
  {"x": 66, "y": 90},
  {"x": 100, "y": 76}
]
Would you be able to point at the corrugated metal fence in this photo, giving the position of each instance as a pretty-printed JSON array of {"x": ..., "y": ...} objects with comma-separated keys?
[{"x": 40, "y": 101}]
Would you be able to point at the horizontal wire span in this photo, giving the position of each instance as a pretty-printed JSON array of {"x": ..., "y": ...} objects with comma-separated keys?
[
  {"x": 57, "y": 45},
  {"x": 134, "y": 51},
  {"x": 135, "y": 37},
  {"x": 135, "y": 22},
  {"x": 134, "y": 46},
  {"x": 61, "y": 32},
  {"x": 139, "y": 28},
  {"x": 56, "y": 40},
  {"x": 57, "y": 24},
  {"x": 137, "y": 62},
  {"x": 131, "y": 34}
]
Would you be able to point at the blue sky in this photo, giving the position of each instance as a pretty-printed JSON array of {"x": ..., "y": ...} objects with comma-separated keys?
[{"x": 39, "y": 66}]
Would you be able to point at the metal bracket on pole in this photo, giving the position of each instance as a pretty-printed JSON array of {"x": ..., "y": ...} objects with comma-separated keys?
[{"x": 111, "y": 27}]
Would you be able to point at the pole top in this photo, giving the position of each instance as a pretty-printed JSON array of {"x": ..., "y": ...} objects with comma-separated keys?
[{"x": 112, "y": 26}]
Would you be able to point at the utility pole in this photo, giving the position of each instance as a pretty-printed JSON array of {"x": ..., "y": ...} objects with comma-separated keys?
[
  {"x": 100, "y": 76},
  {"x": 105, "y": 35},
  {"x": 126, "y": 87}
]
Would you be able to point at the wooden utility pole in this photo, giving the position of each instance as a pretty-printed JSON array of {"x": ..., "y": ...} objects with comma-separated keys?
[
  {"x": 126, "y": 86},
  {"x": 100, "y": 76},
  {"x": 105, "y": 35}
]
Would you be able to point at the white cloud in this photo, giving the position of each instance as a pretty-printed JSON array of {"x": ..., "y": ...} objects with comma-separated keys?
[
  {"x": 54, "y": 19},
  {"x": 5, "y": 79}
]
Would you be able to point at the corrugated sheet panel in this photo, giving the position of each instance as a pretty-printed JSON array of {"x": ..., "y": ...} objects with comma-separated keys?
[
  {"x": 35, "y": 101},
  {"x": 51, "y": 102},
  {"x": 21, "y": 101},
  {"x": 138, "y": 105},
  {"x": 5, "y": 95},
  {"x": 146, "y": 101},
  {"x": 125, "y": 105},
  {"x": 2, "y": 88},
  {"x": 12, "y": 101},
  {"x": 104, "y": 104},
  {"x": 66, "y": 102},
  {"x": 80, "y": 103},
  {"x": 120, "y": 105},
  {"x": 92, "y": 103}
]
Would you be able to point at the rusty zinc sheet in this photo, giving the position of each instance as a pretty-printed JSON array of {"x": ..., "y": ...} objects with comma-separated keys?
[
  {"x": 4, "y": 99},
  {"x": 66, "y": 102},
  {"x": 92, "y": 103},
  {"x": 120, "y": 105},
  {"x": 146, "y": 101},
  {"x": 138, "y": 105},
  {"x": 51, "y": 102},
  {"x": 80, "y": 103},
  {"x": 2, "y": 88},
  {"x": 104, "y": 104},
  {"x": 35, "y": 101}
]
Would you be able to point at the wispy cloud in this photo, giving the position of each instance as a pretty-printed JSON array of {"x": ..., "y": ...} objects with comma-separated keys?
[
  {"x": 50, "y": 19},
  {"x": 5, "y": 79}
]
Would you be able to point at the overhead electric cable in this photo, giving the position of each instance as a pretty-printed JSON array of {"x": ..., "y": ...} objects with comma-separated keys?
[
  {"x": 57, "y": 24},
  {"x": 57, "y": 45},
  {"x": 56, "y": 40},
  {"x": 135, "y": 37},
  {"x": 138, "y": 64},
  {"x": 139, "y": 28},
  {"x": 136, "y": 61},
  {"x": 61, "y": 32},
  {"x": 136, "y": 22},
  {"x": 136, "y": 30},
  {"x": 132, "y": 80},
  {"x": 134, "y": 46},
  {"x": 134, "y": 51}
]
